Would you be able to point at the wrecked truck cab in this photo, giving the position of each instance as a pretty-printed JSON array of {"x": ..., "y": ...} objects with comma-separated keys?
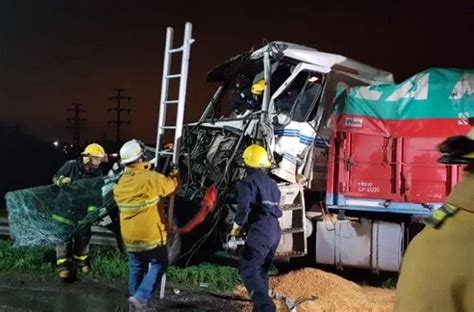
[
  {"x": 291, "y": 121},
  {"x": 301, "y": 86}
]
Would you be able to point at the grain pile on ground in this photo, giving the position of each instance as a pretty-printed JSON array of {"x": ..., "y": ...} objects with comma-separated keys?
[{"x": 334, "y": 293}]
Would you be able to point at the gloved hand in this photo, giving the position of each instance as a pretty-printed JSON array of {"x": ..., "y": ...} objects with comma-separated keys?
[
  {"x": 236, "y": 230},
  {"x": 174, "y": 170},
  {"x": 63, "y": 181}
]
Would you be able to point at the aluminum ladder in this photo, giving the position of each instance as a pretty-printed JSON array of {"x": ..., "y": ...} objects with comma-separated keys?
[{"x": 185, "y": 49}]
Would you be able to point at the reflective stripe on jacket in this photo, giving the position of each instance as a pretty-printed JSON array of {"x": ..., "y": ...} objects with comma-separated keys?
[{"x": 138, "y": 194}]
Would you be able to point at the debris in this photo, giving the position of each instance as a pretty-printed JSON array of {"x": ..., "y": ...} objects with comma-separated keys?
[
  {"x": 333, "y": 293},
  {"x": 176, "y": 291},
  {"x": 204, "y": 285},
  {"x": 208, "y": 204}
]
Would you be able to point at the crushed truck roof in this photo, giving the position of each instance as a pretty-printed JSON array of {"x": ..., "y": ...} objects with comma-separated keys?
[{"x": 304, "y": 54}]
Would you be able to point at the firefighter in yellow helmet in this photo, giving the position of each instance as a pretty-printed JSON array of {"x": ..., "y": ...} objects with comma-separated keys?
[
  {"x": 75, "y": 249},
  {"x": 258, "y": 210},
  {"x": 437, "y": 273},
  {"x": 250, "y": 98}
]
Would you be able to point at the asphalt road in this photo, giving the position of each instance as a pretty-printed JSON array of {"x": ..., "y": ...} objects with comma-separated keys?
[{"x": 22, "y": 292}]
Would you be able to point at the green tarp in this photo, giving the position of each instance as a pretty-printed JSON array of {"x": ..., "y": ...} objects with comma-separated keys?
[{"x": 435, "y": 102}]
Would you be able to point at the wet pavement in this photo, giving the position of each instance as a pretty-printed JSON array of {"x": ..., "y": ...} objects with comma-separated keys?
[
  {"x": 23, "y": 299},
  {"x": 21, "y": 293}
]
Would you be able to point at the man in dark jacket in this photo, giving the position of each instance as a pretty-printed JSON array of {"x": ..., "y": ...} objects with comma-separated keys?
[
  {"x": 77, "y": 246},
  {"x": 250, "y": 98},
  {"x": 258, "y": 211}
]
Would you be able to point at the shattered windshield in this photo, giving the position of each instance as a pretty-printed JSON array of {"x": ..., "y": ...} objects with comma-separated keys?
[{"x": 242, "y": 93}]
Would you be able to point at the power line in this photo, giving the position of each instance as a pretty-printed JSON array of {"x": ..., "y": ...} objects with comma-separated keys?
[
  {"x": 76, "y": 125},
  {"x": 118, "y": 122}
]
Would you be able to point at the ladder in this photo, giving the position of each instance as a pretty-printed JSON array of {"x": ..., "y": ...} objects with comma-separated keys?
[{"x": 185, "y": 49}]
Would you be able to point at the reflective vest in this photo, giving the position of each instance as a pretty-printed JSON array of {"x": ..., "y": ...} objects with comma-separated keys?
[{"x": 138, "y": 195}]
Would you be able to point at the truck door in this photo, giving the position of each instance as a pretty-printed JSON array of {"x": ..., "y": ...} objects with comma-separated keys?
[
  {"x": 423, "y": 179},
  {"x": 369, "y": 165}
]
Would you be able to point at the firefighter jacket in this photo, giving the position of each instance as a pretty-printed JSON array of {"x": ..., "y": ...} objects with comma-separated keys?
[
  {"x": 462, "y": 195},
  {"x": 75, "y": 170},
  {"x": 437, "y": 272},
  {"x": 258, "y": 208},
  {"x": 138, "y": 194},
  {"x": 68, "y": 207}
]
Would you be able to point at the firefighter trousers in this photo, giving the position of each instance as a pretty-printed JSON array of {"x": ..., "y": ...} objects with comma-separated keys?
[
  {"x": 76, "y": 247},
  {"x": 254, "y": 266}
]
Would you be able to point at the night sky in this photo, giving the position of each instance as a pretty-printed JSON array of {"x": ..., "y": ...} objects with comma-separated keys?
[{"x": 54, "y": 53}]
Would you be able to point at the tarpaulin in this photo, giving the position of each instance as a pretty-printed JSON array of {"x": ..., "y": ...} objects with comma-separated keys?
[{"x": 434, "y": 103}]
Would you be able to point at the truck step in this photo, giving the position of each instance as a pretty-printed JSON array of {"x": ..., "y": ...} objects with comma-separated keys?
[
  {"x": 292, "y": 230},
  {"x": 289, "y": 254},
  {"x": 291, "y": 207}
]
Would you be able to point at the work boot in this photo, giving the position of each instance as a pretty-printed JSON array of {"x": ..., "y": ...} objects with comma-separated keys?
[
  {"x": 85, "y": 269},
  {"x": 63, "y": 268},
  {"x": 82, "y": 263},
  {"x": 64, "y": 273},
  {"x": 136, "y": 305}
]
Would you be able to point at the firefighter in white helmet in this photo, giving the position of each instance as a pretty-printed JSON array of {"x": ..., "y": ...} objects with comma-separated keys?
[
  {"x": 76, "y": 248},
  {"x": 139, "y": 194}
]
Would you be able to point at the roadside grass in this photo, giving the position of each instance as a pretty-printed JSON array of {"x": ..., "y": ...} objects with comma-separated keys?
[
  {"x": 216, "y": 276},
  {"x": 24, "y": 260},
  {"x": 110, "y": 264}
]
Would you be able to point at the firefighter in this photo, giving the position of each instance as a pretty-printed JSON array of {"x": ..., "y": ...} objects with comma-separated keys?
[
  {"x": 437, "y": 273},
  {"x": 258, "y": 211},
  {"x": 139, "y": 194},
  {"x": 76, "y": 247},
  {"x": 250, "y": 98}
]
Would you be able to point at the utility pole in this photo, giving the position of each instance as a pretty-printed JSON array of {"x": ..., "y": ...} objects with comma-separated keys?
[
  {"x": 76, "y": 125},
  {"x": 118, "y": 110}
]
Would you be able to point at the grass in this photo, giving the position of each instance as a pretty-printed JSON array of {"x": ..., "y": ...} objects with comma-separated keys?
[
  {"x": 218, "y": 277},
  {"x": 24, "y": 260},
  {"x": 109, "y": 264}
]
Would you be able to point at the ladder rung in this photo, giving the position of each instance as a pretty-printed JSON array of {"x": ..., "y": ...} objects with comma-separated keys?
[
  {"x": 168, "y": 127},
  {"x": 171, "y": 102},
  {"x": 175, "y": 50},
  {"x": 165, "y": 153},
  {"x": 171, "y": 153},
  {"x": 173, "y": 76}
]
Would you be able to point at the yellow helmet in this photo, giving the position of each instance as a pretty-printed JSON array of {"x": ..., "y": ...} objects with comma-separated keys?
[
  {"x": 258, "y": 87},
  {"x": 256, "y": 156},
  {"x": 94, "y": 150}
]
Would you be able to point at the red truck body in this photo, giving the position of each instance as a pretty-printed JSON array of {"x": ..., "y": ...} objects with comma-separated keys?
[{"x": 389, "y": 171}]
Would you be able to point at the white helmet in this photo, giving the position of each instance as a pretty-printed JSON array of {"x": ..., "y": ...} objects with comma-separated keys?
[{"x": 131, "y": 151}]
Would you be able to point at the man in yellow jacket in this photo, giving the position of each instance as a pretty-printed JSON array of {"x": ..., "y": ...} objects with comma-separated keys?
[
  {"x": 138, "y": 195},
  {"x": 438, "y": 268}
]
